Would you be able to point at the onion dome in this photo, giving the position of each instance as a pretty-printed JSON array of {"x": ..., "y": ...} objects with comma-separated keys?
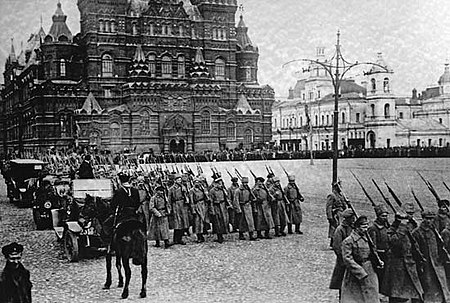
[
  {"x": 59, "y": 31},
  {"x": 243, "y": 40},
  {"x": 445, "y": 78}
]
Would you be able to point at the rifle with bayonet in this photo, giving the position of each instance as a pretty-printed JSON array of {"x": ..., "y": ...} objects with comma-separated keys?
[
  {"x": 363, "y": 189},
  {"x": 388, "y": 202},
  {"x": 391, "y": 191},
  {"x": 446, "y": 186},
  {"x": 346, "y": 200},
  {"x": 430, "y": 187}
]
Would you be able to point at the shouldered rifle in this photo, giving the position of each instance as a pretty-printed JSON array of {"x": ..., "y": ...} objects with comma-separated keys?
[
  {"x": 441, "y": 245},
  {"x": 238, "y": 174},
  {"x": 384, "y": 197},
  {"x": 253, "y": 174},
  {"x": 116, "y": 213},
  {"x": 430, "y": 187},
  {"x": 287, "y": 175},
  {"x": 446, "y": 186},
  {"x": 347, "y": 201},
  {"x": 417, "y": 200},
  {"x": 375, "y": 258},
  {"x": 229, "y": 174},
  {"x": 363, "y": 189},
  {"x": 391, "y": 191}
]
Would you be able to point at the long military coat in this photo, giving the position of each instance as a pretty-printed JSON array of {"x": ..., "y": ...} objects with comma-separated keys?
[
  {"x": 342, "y": 232},
  {"x": 433, "y": 278},
  {"x": 219, "y": 212},
  {"x": 15, "y": 284},
  {"x": 242, "y": 198},
  {"x": 279, "y": 213},
  {"x": 263, "y": 217},
  {"x": 199, "y": 208},
  {"x": 360, "y": 281},
  {"x": 334, "y": 208},
  {"x": 294, "y": 210},
  {"x": 401, "y": 279},
  {"x": 378, "y": 232},
  {"x": 158, "y": 228},
  {"x": 179, "y": 206},
  {"x": 441, "y": 220}
]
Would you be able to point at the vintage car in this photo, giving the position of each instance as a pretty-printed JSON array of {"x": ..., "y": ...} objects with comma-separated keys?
[
  {"x": 78, "y": 224},
  {"x": 21, "y": 180}
]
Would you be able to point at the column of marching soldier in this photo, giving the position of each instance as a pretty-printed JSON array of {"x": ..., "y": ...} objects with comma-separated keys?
[{"x": 398, "y": 261}]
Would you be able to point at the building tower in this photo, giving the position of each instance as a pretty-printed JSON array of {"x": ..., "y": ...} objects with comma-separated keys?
[
  {"x": 246, "y": 56},
  {"x": 444, "y": 81}
]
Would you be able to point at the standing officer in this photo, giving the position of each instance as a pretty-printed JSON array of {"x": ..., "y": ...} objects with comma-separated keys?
[
  {"x": 233, "y": 212},
  {"x": 294, "y": 209},
  {"x": 264, "y": 220},
  {"x": 85, "y": 169},
  {"x": 158, "y": 227},
  {"x": 334, "y": 208},
  {"x": 244, "y": 197},
  {"x": 199, "y": 207},
  {"x": 15, "y": 284},
  {"x": 219, "y": 210},
  {"x": 279, "y": 214},
  {"x": 179, "y": 204}
]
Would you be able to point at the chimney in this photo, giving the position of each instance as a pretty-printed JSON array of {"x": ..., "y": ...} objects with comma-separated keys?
[{"x": 291, "y": 93}]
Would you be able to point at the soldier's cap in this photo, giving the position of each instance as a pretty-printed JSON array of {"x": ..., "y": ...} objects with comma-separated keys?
[
  {"x": 159, "y": 188},
  {"x": 276, "y": 179},
  {"x": 361, "y": 220},
  {"x": 291, "y": 178},
  {"x": 12, "y": 249},
  {"x": 348, "y": 213},
  {"x": 428, "y": 214},
  {"x": 244, "y": 180},
  {"x": 380, "y": 209},
  {"x": 234, "y": 179},
  {"x": 259, "y": 179},
  {"x": 270, "y": 175},
  {"x": 443, "y": 202}
]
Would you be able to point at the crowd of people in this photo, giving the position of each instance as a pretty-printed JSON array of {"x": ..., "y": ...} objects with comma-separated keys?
[{"x": 402, "y": 260}]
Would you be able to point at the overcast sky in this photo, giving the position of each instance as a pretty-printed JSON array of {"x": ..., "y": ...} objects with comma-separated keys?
[{"x": 413, "y": 35}]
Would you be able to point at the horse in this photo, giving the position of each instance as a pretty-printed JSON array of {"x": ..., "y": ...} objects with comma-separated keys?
[{"x": 129, "y": 241}]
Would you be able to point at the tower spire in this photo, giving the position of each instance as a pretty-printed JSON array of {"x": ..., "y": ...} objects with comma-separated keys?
[{"x": 12, "y": 53}]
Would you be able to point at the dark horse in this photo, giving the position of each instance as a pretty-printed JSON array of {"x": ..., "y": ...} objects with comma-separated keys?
[{"x": 129, "y": 241}]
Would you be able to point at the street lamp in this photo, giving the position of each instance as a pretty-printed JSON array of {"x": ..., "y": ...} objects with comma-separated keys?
[{"x": 336, "y": 68}]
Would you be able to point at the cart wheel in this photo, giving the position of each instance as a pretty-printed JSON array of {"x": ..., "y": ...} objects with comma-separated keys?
[
  {"x": 71, "y": 249},
  {"x": 40, "y": 224}
]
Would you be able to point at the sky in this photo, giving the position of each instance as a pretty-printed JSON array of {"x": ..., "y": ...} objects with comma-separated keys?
[{"x": 412, "y": 35}]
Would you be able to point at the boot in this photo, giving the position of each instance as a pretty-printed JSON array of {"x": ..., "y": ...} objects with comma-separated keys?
[
  {"x": 282, "y": 233},
  {"x": 252, "y": 237},
  {"x": 241, "y": 236},
  {"x": 158, "y": 244},
  {"x": 167, "y": 244},
  {"x": 290, "y": 229},
  {"x": 266, "y": 234},
  {"x": 219, "y": 238},
  {"x": 297, "y": 229},
  {"x": 200, "y": 238},
  {"x": 259, "y": 234},
  {"x": 277, "y": 231}
]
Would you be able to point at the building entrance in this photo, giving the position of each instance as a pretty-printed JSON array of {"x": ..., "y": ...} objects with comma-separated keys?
[{"x": 177, "y": 146}]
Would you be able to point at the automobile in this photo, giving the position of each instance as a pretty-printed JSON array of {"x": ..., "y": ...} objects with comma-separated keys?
[{"x": 22, "y": 180}]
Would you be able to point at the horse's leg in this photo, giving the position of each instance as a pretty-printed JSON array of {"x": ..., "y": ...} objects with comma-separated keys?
[
  {"x": 144, "y": 272},
  {"x": 127, "y": 269},
  {"x": 119, "y": 269},
  {"x": 108, "y": 271}
]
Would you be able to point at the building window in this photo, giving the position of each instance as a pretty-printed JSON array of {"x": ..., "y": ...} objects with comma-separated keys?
[
  {"x": 107, "y": 66},
  {"x": 387, "y": 108},
  {"x": 301, "y": 120},
  {"x": 318, "y": 94},
  {"x": 343, "y": 117},
  {"x": 166, "y": 67},
  {"x": 440, "y": 141},
  {"x": 248, "y": 74},
  {"x": 101, "y": 26},
  {"x": 372, "y": 109},
  {"x": 358, "y": 117},
  {"x": 323, "y": 120},
  {"x": 65, "y": 124},
  {"x": 134, "y": 29},
  {"x": 440, "y": 120},
  {"x": 400, "y": 115},
  {"x": 429, "y": 142},
  {"x": 219, "y": 68},
  {"x": 311, "y": 95},
  {"x": 107, "y": 93},
  {"x": 113, "y": 27},
  {"x": 181, "y": 67},
  {"x": 248, "y": 137},
  {"x": 316, "y": 120},
  {"x": 107, "y": 26},
  {"x": 181, "y": 30},
  {"x": 115, "y": 133},
  {"x": 62, "y": 68},
  {"x": 303, "y": 96},
  {"x": 206, "y": 122},
  {"x": 152, "y": 65},
  {"x": 388, "y": 143},
  {"x": 231, "y": 130},
  {"x": 386, "y": 85},
  {"x": 374, "y": 85},
  {"x": 145, "y": 121}
]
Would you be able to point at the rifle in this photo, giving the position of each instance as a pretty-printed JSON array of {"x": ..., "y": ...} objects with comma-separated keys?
[
  {"x": 287, "y": 175},
  {"x": 253, "y": 174},
  {"x": 417, "y": 200},
  {"x": 238, "y": 174},
  {"x": 430, "y": 187},
  {"x": 384, "y": 197},
  {"x": 391, "y": 191},
  {"x": 116, "y": 212},
  {"x": 376, "y": 260},
  {"x": 446, "y": 186},
  {"x": 441, "y": 244},
  {"x": 347, "y": 201},
  {"x": 363, "y": 189}
]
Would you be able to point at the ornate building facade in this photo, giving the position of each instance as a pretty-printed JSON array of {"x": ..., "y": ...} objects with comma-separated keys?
[
  {"x": 166, "y": 75},
  {"x": 371, "y": 115}
]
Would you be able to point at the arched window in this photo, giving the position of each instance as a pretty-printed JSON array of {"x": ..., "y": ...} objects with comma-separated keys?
[
  {"x": 181, "y": 67},
  {"x": 248, "y": 137},
  {"x": 145, "y": 121},
  {"x": 316, "y": 120},
  {"x": 387, "y": 108},
  {"x": 219, "y": 68},
  {"x": 62, "y": 68},
  {"x": 328, "y": 119},
  {"x": 374, "y": 84},
  {"x": 65, "y": 124},
  {"x": 101, "y": 26},
  {"x": 152, "y": 65},
  {"x": 107, "y": 66},
  {"x": 152, "y": 29},
  {"x": 134, "y": 29},
  {"x": 63, "y": 38},
  {"x": 113, "y": 27},
  {"x": 386, "y": 85},
  {"x": 166, "y": 67},
  {"x": 107, "y": 26},
  {"x": 372, "y": 109},
  {"x": 115, "y": 132},
  {"x": 231, "y": 130},
  {"x": 343, "y": 117},
  {"x": 323, "y": 120},
  {"x": 181, "y": 30},
  {"x": 206, "y": 122}
]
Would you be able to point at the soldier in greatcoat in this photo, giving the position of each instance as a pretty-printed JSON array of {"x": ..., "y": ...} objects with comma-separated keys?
[
  {"x": 294, "y": 209},
  {"x": 233, "y": 212},
  {"x": 263, "y": 217},
  {"x": 401, "y": 278},
  {"x": 199, "y": 207},
  {"x": 443, "y": 216},
  {"x": 279, "y": 214},
  {"x": 433, "y": 278},
  {"x": 244, "y": 196},
  {"x": 158, "y": 226},
  {"x": 342, "y": 232},
  {"x": 179, "y": 205},
  {"x": 218, "y": 209},
  {"x": 360, "y": 282},
  {"x": 378, "y": 231},
  {"x": 334, "y": 207}
]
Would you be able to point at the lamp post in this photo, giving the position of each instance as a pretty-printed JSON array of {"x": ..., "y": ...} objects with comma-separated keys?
[{"x": 336, "y": 68}]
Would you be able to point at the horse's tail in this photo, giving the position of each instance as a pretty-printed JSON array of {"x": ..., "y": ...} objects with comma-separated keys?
[{"x": 139, "y": 246}]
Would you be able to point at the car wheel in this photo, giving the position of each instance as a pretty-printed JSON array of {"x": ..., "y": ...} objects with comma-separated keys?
[{"x": 71, "y": 248}]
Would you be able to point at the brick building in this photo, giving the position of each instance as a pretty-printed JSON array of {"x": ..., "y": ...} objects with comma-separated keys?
[{"x": 165, "y": 75}]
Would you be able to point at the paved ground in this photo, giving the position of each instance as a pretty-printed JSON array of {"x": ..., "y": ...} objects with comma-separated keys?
[{"x": 295, "y": 268}]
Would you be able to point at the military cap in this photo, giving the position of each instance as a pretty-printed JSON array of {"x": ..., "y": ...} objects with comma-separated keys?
[
  {"x": 234, "y": 179},
  {"x": 276, "y": 179},
  {"x": 428, "y": 214},
  {"x": 244, "y": 180},
  {"x": 291, "y": 178},
  {"x": 270, "y": 175},
  {"x": 380, "y": 209},
  {"x": 361, "y": 220},
  {"x": 259, "y": 179},
  {"x": 347, "y": 213},
  {"x": 443, "y": 202},
  {"x": 13, "y": 248},
  {"x": 159, "y": 188}
]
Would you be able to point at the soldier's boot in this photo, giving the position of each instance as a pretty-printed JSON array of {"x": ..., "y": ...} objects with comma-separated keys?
[
  {"x": 297, "y": 229},
  {"x": 259, "y": 234},
  {"x": 158, "y": 244},
  {"x": 290, "y": 229},
  {"x": 267, "y": 235},
  {"x": 277, "y": 231},
  {"x": 252, "y": 237},
  {"x": 219, "y": 238},
  {"x": 200, "y": 238},
  {"x": 282, "y": 228},
  {"x": 241, "y": 236},
  {"x": 167, "y": 244}
]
